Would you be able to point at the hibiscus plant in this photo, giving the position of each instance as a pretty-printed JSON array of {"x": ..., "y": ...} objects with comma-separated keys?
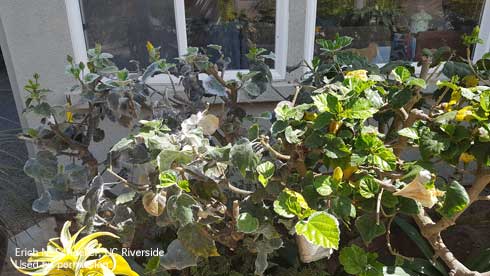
[{"x": 323, "y": 175}]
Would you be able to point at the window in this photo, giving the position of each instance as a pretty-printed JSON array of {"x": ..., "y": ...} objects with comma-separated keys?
[
  {"x": 389, "y": 30},
  {"x": 123, "y": 27}
]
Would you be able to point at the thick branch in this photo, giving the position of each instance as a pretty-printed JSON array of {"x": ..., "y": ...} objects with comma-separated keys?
[
  {"x": 84, "y": 154},
  {"x": 432, "y": 231},
  {"x": 441, "y": 250},
  {"x": 482, "y": 180}
]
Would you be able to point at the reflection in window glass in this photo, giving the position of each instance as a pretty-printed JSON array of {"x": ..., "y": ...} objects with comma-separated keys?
[
  {"x": 236, "y": 25},
  {"x": 124, "y": 26},
  {"x": 387, "y": 30}
]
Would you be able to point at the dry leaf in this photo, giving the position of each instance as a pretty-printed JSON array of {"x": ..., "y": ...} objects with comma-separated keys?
[{"x": 154, "y": 203}]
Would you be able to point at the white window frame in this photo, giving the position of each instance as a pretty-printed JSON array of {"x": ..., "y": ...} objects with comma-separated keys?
[
  {"x": 311, "y": 7},
  {"x": 77, "y": 35}
]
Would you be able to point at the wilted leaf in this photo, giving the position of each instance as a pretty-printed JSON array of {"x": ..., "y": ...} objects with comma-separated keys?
[
  {"x": 179, "y": 208},
  {"x": 243, "y": 156},
  {"x": 197, "y": 240},
  {"x": 154, "y": 204},
  {"x": 177, "y": 257}
]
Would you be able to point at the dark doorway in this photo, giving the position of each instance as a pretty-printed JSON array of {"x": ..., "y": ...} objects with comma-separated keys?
[{"x": 17, "y": 190}]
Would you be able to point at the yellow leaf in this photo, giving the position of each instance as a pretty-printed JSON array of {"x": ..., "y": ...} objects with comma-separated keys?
[
  {"x": 209, "y": 124},
  {"x": 455, "y": 97},
  {"x": 357, "y": 74},
  {"x": 310, "y": 116},
  {"x": 464, "y": 114}
]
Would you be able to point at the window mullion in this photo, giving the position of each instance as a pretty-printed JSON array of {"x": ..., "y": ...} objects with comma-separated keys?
[{"x": 181, "y": 28}]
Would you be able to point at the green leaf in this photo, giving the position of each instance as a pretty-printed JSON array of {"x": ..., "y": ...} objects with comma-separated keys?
[
  {"x": 167, "y": 157},
  {"x": 361, "y": 109},
  {"x": 417, "y": 82},
  {"x": 383, "y": 158},
  {"x": 323, "y": 185},
  {"x": 247, "y": 223},
  {"x": 327, "y": 102},
  {"x": 125, "y": 197},
  {"x": 291, "y": 203},
  {"x": 285, "y": 111},
  {"x": 337, "y": 44},
  {"x": 152, "y": 265},
  {"x": 243, "y": 156},
  {"x": 358, "y": 262},
  {"x": 335, "y": 147},
  {"x": 422, "y": 266},
  {"x": 122, "y": 144},
  {"x": 266, "y": 172},
  {"x": 179, "y": 208},
  {"x": 292, "y": 135},
  {"x": 485, "y": 100},
  {"x": 408, "y": 206},
  {"x": 409, "y": 133},
  {"x": 367, "y": 227},
  {"x": 213, "y": 86},
  {"x": 278, "y": 127},
  {"x": 401, "y": 74},
  {"x": 321, "y": 229},
  {"x": 455, "y": 68},
  {"x": 167, "y": 179},
  {"x": 455, "y": 201},
  {"x": 184, "y": 185},
  {"x": 254, "y": 132},
  {"x": 368, "y": 187},
  {"x": 342, "y": 206}
]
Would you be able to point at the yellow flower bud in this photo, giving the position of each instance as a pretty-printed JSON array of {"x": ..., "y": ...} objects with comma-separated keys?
[
  {"x": 338, "y": 174},
  {"x": 466, "y": 157},
  {"x": 349, "y": 171}
]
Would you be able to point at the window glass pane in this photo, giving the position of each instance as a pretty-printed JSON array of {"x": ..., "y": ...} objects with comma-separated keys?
[
  {"x": 124, "y": 26},
  {"x": 385, "y": 30},
  {"x": 236, "y": 25}
]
